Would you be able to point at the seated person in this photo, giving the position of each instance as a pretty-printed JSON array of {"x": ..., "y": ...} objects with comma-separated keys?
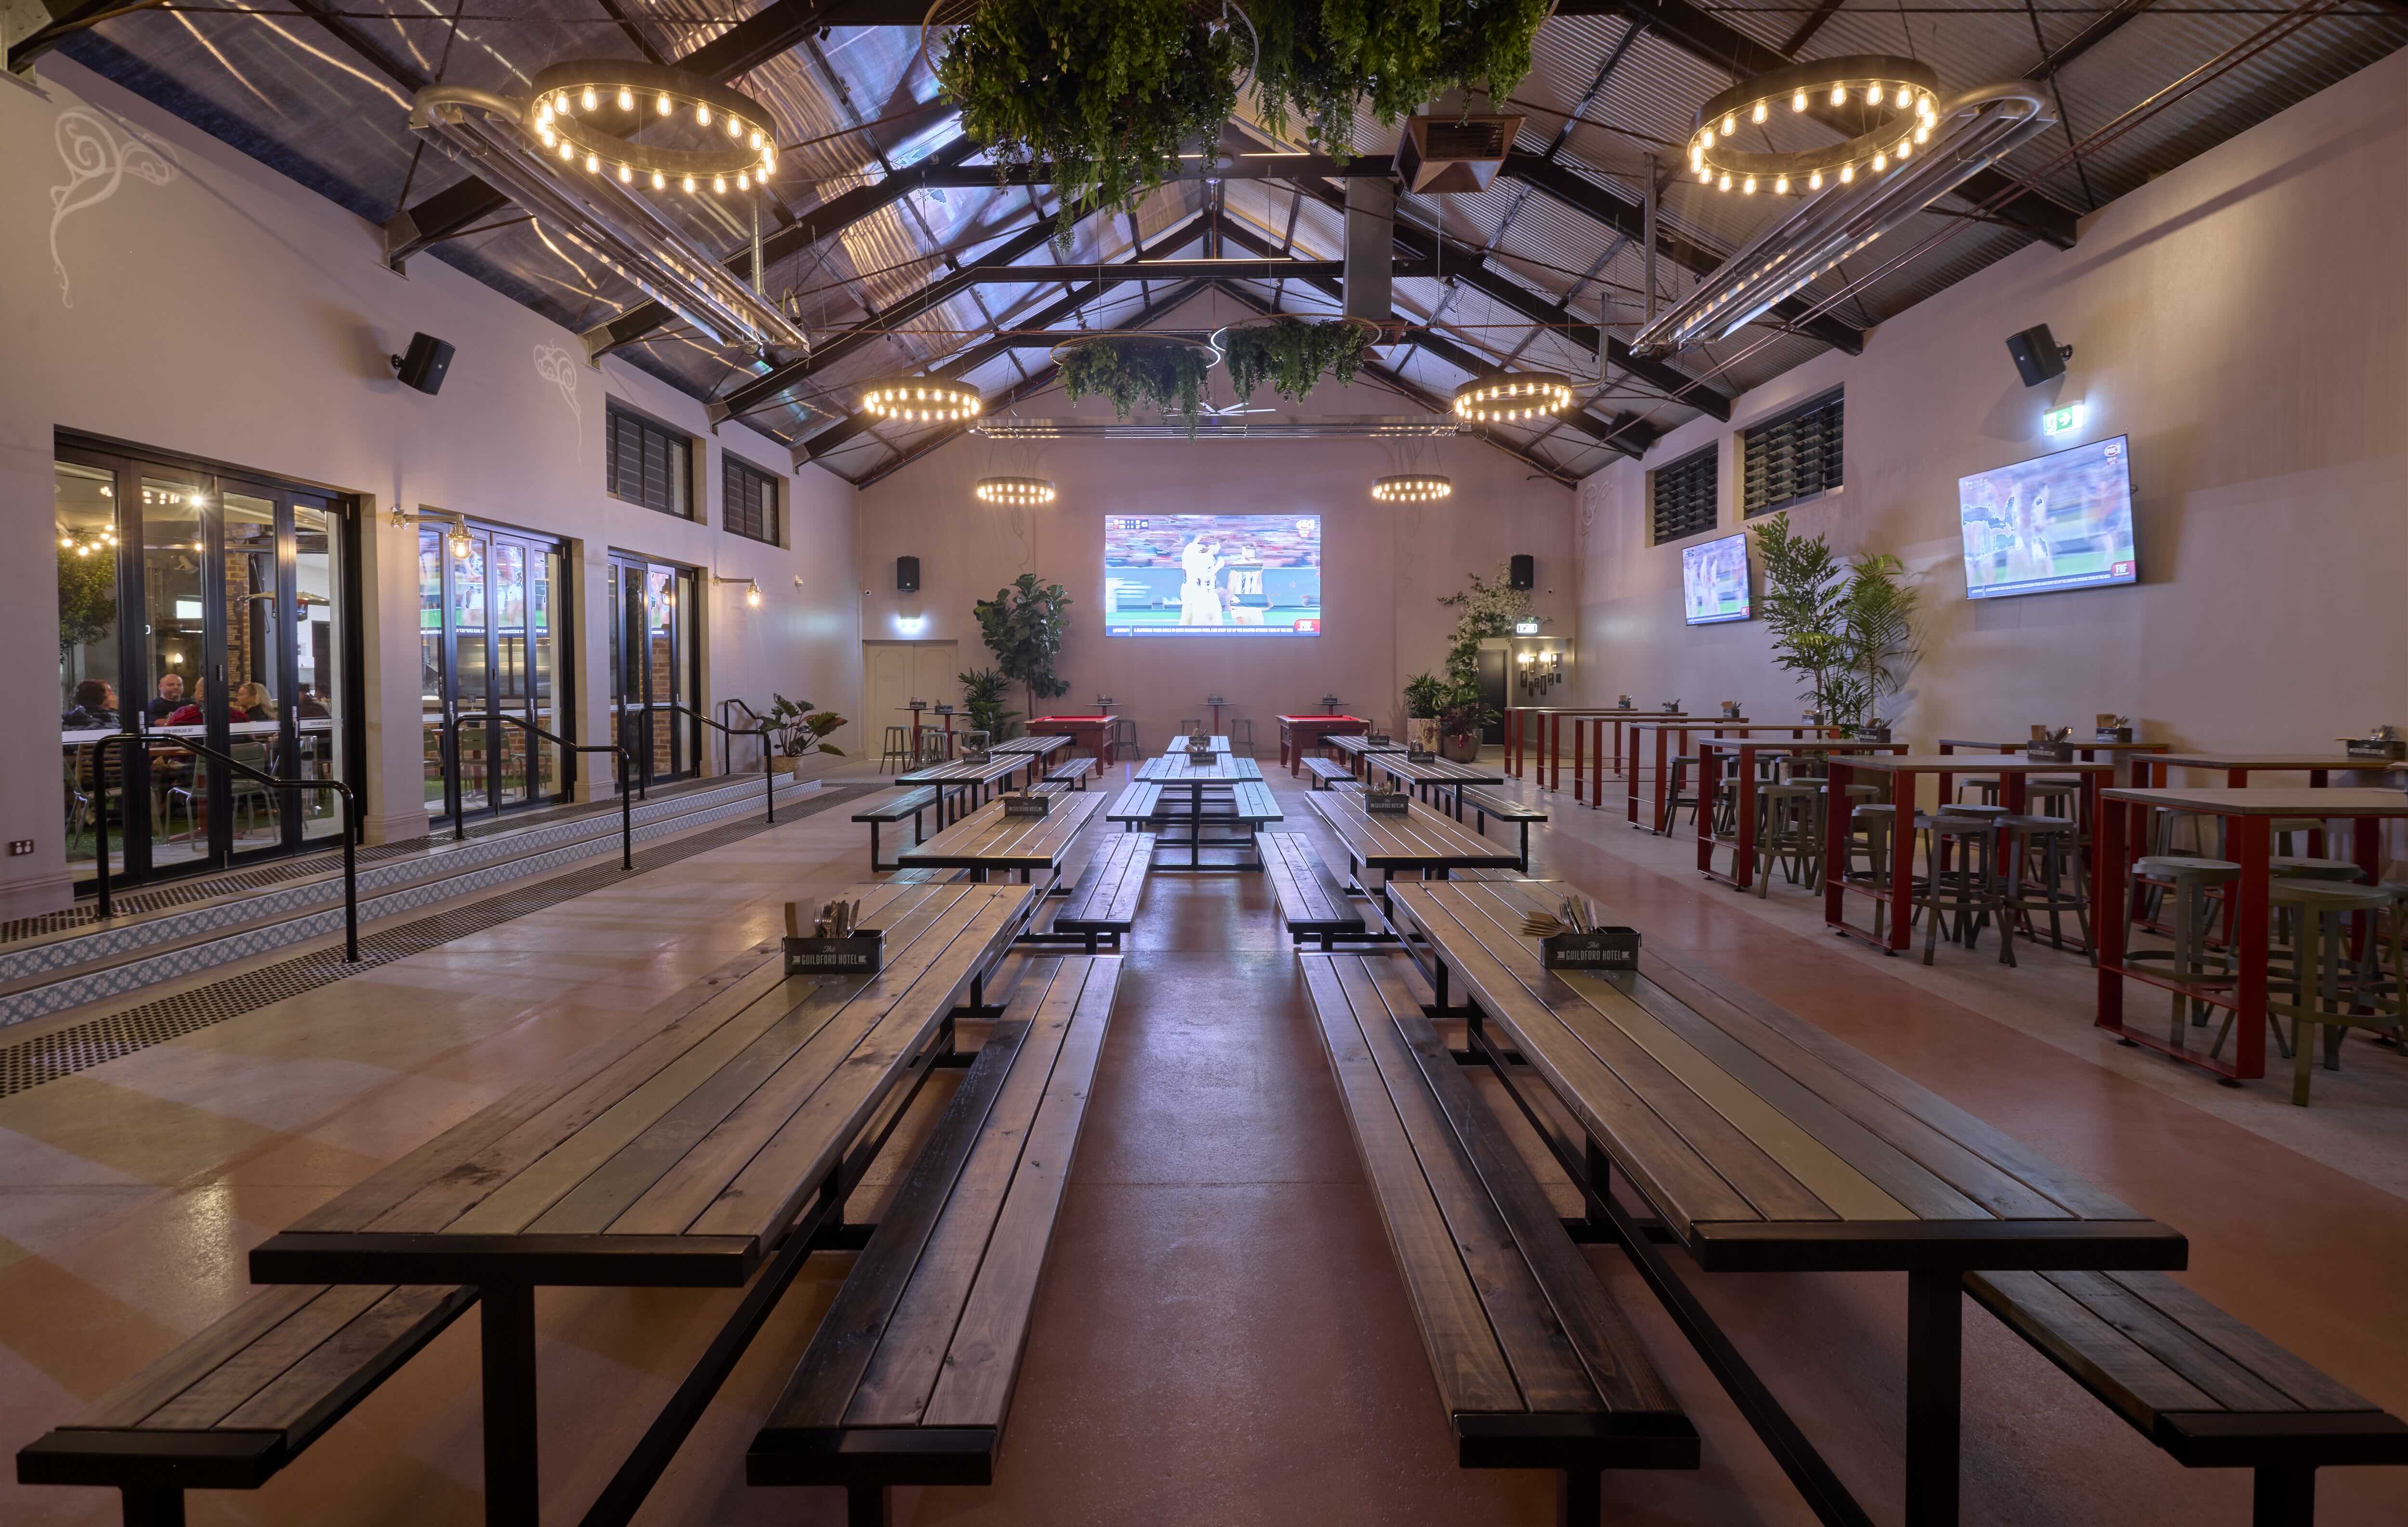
[
  {"x": 189, "y": 713},
  {"x": 251, "y": 703},
  {"x": 170, "y": 699},
  {"x": 94, "y": 708}
]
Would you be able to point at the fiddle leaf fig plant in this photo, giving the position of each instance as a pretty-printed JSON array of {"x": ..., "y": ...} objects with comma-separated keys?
[
  {"x": 1293, "y": 355},
  {"x": 1133, "y": 369},
  {"x": 1023, "y": 625}
]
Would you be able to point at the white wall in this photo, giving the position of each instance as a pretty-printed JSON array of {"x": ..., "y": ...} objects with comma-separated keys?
[
  {"x": 2243, "y": 318},
  {"x": 212, "y": 308},
  {"x": 1384, "y": 566}
]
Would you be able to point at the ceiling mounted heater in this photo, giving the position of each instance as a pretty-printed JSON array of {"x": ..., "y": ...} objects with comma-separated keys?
[
  {"x": 1446, "y": 153},
  {"x": 1913, "y": 151}
]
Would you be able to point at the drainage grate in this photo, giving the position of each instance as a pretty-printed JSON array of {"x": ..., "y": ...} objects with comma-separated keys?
[{"x": 97, "y": 1041}]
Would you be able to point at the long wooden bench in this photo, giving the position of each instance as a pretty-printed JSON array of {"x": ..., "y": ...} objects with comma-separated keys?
[
  {"x": 230, "y": 1408},
  {"x": 1072, "y": 773},
  {"x": 911, "y": 803},
  {"x": 1136, "y": 805},
  {"x": 909, "y": 1379},
  {"x": 1103, "y": 903},
  {"x": 1326, "y": 773},
  {"x": 922, "y": 876},
  {"x": 1311, "y": 901},
  {"x": 1488, "y": 872},
  {"x": 2206, "y": 1388},
  {"x": 1254, "y": 802},
  {"x": 1536, "y": 1366},
  {"x": 1486, "y": 804}
]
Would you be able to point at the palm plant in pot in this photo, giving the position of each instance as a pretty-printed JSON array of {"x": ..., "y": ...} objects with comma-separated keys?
[
  {"x": 984, "y": 692},
  {"x": 797, "y": 731},
  {"x": 1878, "y": 619},
  {"x": 1461, "y": 714}
]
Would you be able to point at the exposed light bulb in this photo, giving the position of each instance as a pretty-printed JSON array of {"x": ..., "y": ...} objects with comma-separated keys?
[
  {"x": 568, "y": 151},
  {"x": 1757, "y": 115},
  {"x": 625, "y": 175},
  {"x": 702, "y": 115},
  {"x": 1706, "y": 174},
  {"x": 1748, "y": 189},
  {"x": 752, "y": 595},
  {"x": 1798, "y": 102},
  {"x": 1697, "y": 155},
  {"x": 1905, "y": 148},
  {"x": 1838, "y": 95},
  {"x": 588, "y": 101},
  {"x": 743, "y": 181},
  {"x": 593, "y": 163},
  {"x": 626, "y": 99},
  {"x": 1730, "y": 125},
  {"x": 662, "y": 104},
  {"x": 753, "y": 139},
  {"x": 1707, "y": 138},
  {"x": 1880, "y": 162},
  {"x": 1814, "y": 181},
  {"x": 1725, "y": 183},
  {"x": 689, "y": 182},
  {"x": 1923, "y": 134},
  {"x": 549, "y": 136},
  {"x": 561, "y": 103},
  {"x": 1873, "y": 93},
  {"x": 1781, "y": 184},
  {"x": 660, "y": 181},
  {"x": 719, "y": 182},
  {"x": 1847, "y": 173},
  {"x": 734, "y": 128}
]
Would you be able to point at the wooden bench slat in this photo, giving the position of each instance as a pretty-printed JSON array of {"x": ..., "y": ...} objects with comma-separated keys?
[
  {"x": 1310, "y": 899},
  {"x": 1107, "y": 897},
  {"x": 1500, "y": 807},
  {"x": 2307, "y": 1386},
  {"x": 2086, "y": 1346},
  {"x": 130, "y": 1402},
  {"x": 909, "y": 803},
  {"x": 246, "y": 1373},
  {"x": 1326, "y": 772},
  {"x": 2198, "y": 1362},
  {"x": 1138, "y": 802},
  {"x": 327, "y": 1380}
]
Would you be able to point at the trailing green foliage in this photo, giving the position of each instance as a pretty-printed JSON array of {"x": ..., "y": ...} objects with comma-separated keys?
[
  {"x": 1108, "y": 91},
  {"x": 797, "y": 729},
  {"x": 1293, "y": 355},
  {"x": 1323, "y": 59},
  {"x": 1023, "y": 625},
  {"x": 983, "y": 695},
  {"x": 1133, "y": 369},
  {"x": 1489, "y": 608},
  {"x": 87, "y": 599}
]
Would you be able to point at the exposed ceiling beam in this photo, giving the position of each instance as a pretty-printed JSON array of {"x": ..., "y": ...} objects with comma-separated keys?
[
  {"x": 742, "y": 48},
  {"x": 1811, "y": 24},
  {"x": 1035, "y": 382},
  {"x": 2090, "y": 36},
  {"x": 407, "y": 76},
  {"x": 67, "y": 18},
  {"x": 1702, "y": 36}
]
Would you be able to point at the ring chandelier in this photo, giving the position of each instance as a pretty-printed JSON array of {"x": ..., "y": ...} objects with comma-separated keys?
[
  {"x": 1412, "y": 487},
  {"x": 1895, "y": 93},
  {"x": 1505, "y": 399},
  {"x": 922, "y": 400},
  {"x": 571, "y": 101},
  {"x": 1015, "y": 491}
]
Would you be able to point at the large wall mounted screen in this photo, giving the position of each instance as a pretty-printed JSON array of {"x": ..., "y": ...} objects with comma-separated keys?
[
  {"x": 2056, "y": 521},
  {"x": 1250, "y": 575}
]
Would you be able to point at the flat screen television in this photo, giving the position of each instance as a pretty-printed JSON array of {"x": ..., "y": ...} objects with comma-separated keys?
[
  {"x": 1713, "y": 580},
  {"x": 2056, "y": 521},
  {"x": 1193, "y": 575}
]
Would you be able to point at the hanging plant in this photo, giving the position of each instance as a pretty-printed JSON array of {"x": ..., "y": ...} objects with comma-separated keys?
[
  {"x": 1320, "y": 58},
  {"x": 1132, "y": 368},
  {"x": 1108, "y": 91},
  {"x": 1294, "y": 353}
]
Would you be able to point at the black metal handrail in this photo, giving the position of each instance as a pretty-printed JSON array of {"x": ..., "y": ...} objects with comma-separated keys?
[
  {"x": 144, "y": 740},
  {"x": 727, "y": 743},
  {"x": 768, "y": 780},
  {"x": 626, "y": 767}
]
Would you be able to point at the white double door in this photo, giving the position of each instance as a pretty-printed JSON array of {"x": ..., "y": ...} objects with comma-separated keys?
[{"x": 895, "y": 673}]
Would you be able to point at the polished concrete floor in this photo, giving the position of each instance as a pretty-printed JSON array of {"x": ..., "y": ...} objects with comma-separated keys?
[{"x": 1221, "y": 1338}]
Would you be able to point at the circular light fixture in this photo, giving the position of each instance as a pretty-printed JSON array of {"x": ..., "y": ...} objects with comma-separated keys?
[
  {"x": 1509, "y": 399},
  {"x": 1890, "y": 102},
  {"x": 747, "y": 152},
  {"x": 922, "y": 400},
  {"x": 1412, "y": 487},
  {"x": 1013, "y": 490}
]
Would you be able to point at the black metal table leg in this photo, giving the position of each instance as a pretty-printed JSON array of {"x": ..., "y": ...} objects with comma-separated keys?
[
  {"x": 512, "y": 1497},
  {"x": 1934, "y": 1364}
]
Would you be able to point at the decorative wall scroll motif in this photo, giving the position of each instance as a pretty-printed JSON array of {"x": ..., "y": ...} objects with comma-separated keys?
[
  {"x": 98, "y": 158},
  {"x": 558, "y": 367}
]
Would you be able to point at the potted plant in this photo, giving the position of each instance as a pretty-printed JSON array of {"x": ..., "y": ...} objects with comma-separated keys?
[
  {"x": 1806, "y": 609},
  {"x": 1293, "y": 355},
  {"x": 1422, "y": 692},
  {"x": 1462, "y": 715},
  {"x": 797, "y": 733},
  {"x": 1878, "y": 619},
  {"x": 1160, "y": 369},
  {"x": 1023, "y": 625},
  {"x": 983, "y": 691}
]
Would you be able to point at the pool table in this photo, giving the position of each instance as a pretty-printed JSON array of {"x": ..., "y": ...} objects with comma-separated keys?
[
  {"x": 1299, "y": 732},
  {"x": 1093, "y": 733}
]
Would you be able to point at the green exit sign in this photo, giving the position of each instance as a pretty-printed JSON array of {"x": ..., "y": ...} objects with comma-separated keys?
[{"x": 2064, "y": 421}]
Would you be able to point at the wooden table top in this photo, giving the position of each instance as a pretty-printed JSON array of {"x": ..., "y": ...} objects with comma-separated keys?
[
  {"x": 1356, "y": 745},
  {"x": 1330, "y": 716},
  {"x": 1763, "y": 1141},
  {"x": 674, "y": 1154},
  {"x": 2013, "y": 743},
  {"x": 1648, "y": 721},
  {"x": 1417, "y": 839},
  {"x": 1039, "y": 745},
  {"x": 987, "y": 839},
  {"x": 1600, "y": 710},
  {"x": 1801, "y": 744},
  {"x": 1174, "y": 768},
  {"x": 2272, "y": 761},
  {"x": 1437, "y": 770},
  {"x": 2288, "y": 802},
  {"x": 1215, "y": 742},
  {"x": 963, "y": 771},
  {"x": 1966, "y": 763}
]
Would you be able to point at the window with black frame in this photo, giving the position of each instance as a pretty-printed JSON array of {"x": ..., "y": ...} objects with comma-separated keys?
[
  {"x": 1683, "y": 496},
  {"x": 1793, "y": 455},
  {"x": 650, "y": 463},
  {"x": 749, "y": 501}
]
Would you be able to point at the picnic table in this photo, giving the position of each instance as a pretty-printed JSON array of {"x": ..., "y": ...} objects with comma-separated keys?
[
  {"x": 1427, "y": 775},
  {"x": 683, "y": 1153},
  {"x": 1759, "y": 1143},
  {"x": 1173, "y": 770},
  {"x": 1299, "y": 732},
  {"x": 1417, "y": 839},
  {"x": 2133, "y": 755},
  {"x": 963, "y": 777},
  {"x": 1093, "y": 732},
  {"x": 1904, "y": 770},
  {"x": 1032, "y": 746},
  {"x": 1358, "y": 748},
  {"x": 1742, "y": 840},
  {"x": 2247, "y": 816},
  {"x": 988, "y": 840}
]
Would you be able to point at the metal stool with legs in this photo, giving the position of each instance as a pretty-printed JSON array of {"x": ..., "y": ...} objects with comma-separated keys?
[
  {"x": 2190, "y": 877},
  {"x": 1789, "y": 831},
  {"x": 2043, "y": 875},
  {"x": 896, "y": 749},
  {"x": 1241, "y": 736},
  {"x": 1960, "y": 853},
  {"x": 1124, "y": 740},
  {"x": 2327, "y": 987}
]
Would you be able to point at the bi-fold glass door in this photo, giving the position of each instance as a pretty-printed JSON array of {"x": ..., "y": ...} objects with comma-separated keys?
[
  {"x": 204, "y": 607},
  {"x": 656, "y": 667},
  {"x": 492, "y": 633}
]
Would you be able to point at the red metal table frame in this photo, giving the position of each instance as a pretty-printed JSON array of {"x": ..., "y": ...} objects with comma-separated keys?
[
  {"x": 2248, "y": 840},
  {"x": 1545, "y": 728},
  {"x": 1095, "y": 731},
  {"x": 1742, "y": 875},
  {"x": 2134, "y": 753},
  {"x": 1218, "y": 706},
  {"x": 1660, "y": 812},
  {"x": 1905, "y": 771},
  {"x": 1299, "y": 732}
]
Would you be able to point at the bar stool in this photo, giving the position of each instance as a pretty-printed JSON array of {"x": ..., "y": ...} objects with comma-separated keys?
[
  {"x": 2045, "y": 845},
  {"x": 2190, "y": 877},
  {"x": 1124, "y": 737},
  {"x": 2053, "y": 798},
  {"x": 1674, "y": 800},
  {"x": 2283, "y": 829},
  {"x": 1187, "y": 726},
  {"x": 1788, "y": 817},
  {"x": 1874, "y": 824},
  {"x": 1987, "y": 783},
  {"x": 896, "y": 749},
  {"x": 1966, "y": 883},
  {"x": 1241, "y": 736},
  {"x": 2328, "y": 989},
  {"x": 2297, "y": 866}
]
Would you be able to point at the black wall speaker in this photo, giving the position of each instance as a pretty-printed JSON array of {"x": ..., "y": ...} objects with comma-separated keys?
[
  {"x": 1525, "y": 572},
  {"x": 2038, "y": 355},
  {"x": 423, "y": 367},
  {"x": 907, "y": 575}
]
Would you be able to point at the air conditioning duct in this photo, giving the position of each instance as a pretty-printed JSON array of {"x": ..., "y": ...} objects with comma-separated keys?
[
  {"x": 1446, "y": 153},
  {"x": 1981, "y": 127}
]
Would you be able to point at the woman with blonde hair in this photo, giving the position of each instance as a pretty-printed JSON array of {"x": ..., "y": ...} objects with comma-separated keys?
[{"x": 251, "y": 703}]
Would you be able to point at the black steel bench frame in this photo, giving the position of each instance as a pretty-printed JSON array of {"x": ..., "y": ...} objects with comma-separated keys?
[
  {"x": 894, "y": 811},
  {"x": 1483, "y": 806}
]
